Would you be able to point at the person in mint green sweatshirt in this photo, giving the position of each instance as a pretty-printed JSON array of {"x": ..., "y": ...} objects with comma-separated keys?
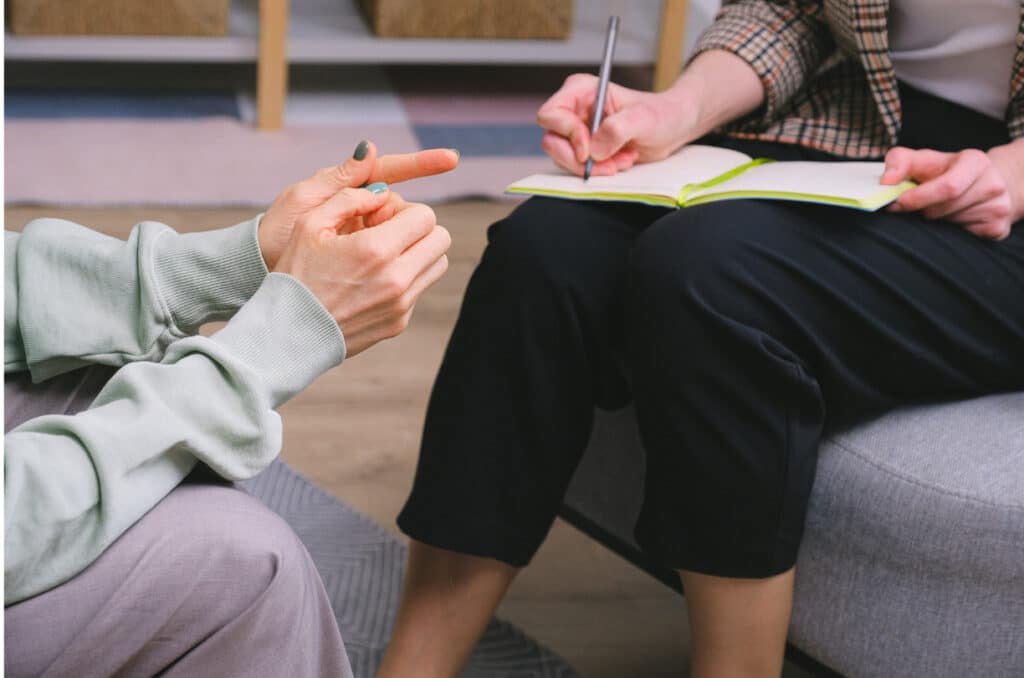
[{"x": 113, "y": 564}]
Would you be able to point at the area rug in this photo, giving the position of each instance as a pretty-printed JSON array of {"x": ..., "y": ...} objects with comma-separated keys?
[
  {"x": 155, "y": 137},
  {"x": 115, "y": 146},
  {"x": 362, "y": 565}
]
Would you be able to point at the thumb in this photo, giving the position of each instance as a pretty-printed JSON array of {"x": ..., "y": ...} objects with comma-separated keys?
[
  {"x": 617, "y": 130},
  {"x": 897, "y": 165},
  {"x": 353, "y": 172},
  {"x": 342, "y": 206}
]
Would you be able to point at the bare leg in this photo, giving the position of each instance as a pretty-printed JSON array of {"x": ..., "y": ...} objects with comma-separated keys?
[
  {"x": 738, "y": 626},
  {"x": 447, "y": 600}
]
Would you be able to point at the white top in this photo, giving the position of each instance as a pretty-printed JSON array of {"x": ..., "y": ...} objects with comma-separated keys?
[{"x": 960, "y": 50}]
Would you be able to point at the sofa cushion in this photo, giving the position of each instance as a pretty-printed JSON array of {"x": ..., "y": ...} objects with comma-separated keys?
[{"x": 913, "y": 555}]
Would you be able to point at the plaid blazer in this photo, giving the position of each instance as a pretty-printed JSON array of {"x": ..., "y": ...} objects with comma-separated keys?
[{"x": 828, "y": 77}]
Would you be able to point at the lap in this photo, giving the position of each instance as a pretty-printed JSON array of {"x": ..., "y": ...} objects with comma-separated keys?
[
  {"x": 565, "y": 241},
  {"x": 208, "y": 582},
  {"x": 899, "y": 263},
  {"x": 883, "y": 309},
  {"x": 202, "y": 556}
]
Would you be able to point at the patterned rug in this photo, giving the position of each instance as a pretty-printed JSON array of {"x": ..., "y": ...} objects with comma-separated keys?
[
  {"x": 123, "y": 142},
  {"x": 362, "y": 565}
]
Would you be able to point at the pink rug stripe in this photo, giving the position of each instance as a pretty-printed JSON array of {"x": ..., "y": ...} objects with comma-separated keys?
[{"x": 215, "y": 162}]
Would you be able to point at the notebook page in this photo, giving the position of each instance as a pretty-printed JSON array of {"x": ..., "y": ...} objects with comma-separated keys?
[
  {"x": 691, "y": 165},
  {"x": 857, "y": 181}
]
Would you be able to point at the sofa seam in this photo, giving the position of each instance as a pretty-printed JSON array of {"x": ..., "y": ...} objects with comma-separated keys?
[{"x": 918, "y": 483}]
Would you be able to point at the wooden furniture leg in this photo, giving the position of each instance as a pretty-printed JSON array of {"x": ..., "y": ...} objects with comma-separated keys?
[
  {"x": 670, "y": 42},
  {"x": 272, "y": 68}
]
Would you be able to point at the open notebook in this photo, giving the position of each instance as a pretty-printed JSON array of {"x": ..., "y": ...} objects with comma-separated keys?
[{"x": 698, "y": 174}]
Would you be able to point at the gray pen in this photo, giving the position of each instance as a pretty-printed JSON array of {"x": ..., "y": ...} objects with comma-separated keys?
[{"x": 602, "y": 85}]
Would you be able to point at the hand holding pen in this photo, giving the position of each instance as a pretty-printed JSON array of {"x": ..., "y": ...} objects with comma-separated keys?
[
  {"x": 630, "y": 126},
  {"x": 567, "y": 115}
]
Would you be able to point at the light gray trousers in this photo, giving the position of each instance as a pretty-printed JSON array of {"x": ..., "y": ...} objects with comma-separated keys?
[{"x": 209, "y": 583}]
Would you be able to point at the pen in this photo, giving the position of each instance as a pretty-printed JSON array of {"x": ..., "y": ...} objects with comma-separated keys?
[{"x": 602, "y": 85}]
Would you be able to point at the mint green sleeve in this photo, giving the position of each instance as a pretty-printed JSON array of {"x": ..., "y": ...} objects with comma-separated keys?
[
  {"x": 74, "y": 296},
  {"x": 73, "y": 484}
]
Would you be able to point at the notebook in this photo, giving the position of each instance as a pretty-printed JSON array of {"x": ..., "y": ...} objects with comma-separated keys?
[{"x": 700, "y": 174}]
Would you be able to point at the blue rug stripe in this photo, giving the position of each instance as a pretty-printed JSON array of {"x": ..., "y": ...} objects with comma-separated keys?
[
  {"x": 115, "y": 104},
  {"x": 483, "y": 140}
]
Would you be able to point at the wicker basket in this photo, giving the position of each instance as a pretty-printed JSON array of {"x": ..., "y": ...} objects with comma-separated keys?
[
  {"x": 529, "y": 19},
  {"x": 117, "y": 17}
]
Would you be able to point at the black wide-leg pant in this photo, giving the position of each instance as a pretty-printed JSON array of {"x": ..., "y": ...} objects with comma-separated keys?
[{"x": 741, "y": 331}]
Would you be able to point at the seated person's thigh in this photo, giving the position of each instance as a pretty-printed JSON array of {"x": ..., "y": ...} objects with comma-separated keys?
[{"x": 201, "y": 559}]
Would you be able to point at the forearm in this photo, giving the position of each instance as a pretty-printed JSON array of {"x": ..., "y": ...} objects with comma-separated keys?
[
  {"x": 700, "y": 89},
  {"x": 781, "y": 42},
  {"x": 81, "y": 297},
  {"x": 73, "y": 484}
]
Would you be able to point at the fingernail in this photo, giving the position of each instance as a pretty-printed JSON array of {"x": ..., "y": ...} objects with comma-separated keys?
[
  {"x": 458, "y": 154},
  {"x": 377, "y": 187},
  {"x": 361, "y": 150}
]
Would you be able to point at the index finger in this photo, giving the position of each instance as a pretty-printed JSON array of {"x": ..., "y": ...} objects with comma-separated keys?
[
  {"x": 567, "y": 124},
  {"x": 392, "y": 169},
  {"x": 370, "y": 169}
]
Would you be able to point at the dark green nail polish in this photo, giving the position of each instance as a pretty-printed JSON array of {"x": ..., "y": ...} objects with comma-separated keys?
[
  {"x": 377, "y": 187},
  {"x": 361, "y": 150}
]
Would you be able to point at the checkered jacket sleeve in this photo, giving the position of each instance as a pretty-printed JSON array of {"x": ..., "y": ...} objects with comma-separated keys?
[
  {"x": 827, "y": 74},
  {"x": 1015, "y": 111},
  {"x": 784, "y": 42}
]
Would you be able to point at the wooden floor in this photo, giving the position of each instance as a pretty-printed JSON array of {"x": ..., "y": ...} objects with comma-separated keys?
[{"x": 355, "y": 432}]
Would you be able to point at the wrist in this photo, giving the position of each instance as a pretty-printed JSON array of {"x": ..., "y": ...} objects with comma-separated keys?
[
  {"x": 285, "y": 335},
  {"x": 262, "y": 240},
  {"x": 682, "y": 111}
]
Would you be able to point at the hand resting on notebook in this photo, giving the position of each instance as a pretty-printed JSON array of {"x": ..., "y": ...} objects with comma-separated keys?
[{"x": 983, "y": 191}]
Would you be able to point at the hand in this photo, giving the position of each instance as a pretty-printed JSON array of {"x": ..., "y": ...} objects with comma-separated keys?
[
  {"x": 637, "y": 126},
  {"x": 979, "y": 190},
  {"x": 276, "y": 226},
  {"x": 368, "y": 279}
]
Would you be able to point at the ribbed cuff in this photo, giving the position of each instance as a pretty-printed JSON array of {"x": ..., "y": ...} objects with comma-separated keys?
[
  {"x": 207, "y": 276},
  {"x": 285, "y": 335}
]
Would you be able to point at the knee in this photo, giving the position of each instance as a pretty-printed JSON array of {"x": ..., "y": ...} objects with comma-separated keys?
[
  {"x": 692, "y": 260},
  {"x": 538, "y": 243},
  {"x": 228, "y": 541},
  {"x": 714, "y": 285}
]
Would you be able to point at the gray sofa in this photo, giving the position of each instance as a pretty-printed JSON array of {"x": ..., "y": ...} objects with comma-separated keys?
[{"x": 912, "y": 562}]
